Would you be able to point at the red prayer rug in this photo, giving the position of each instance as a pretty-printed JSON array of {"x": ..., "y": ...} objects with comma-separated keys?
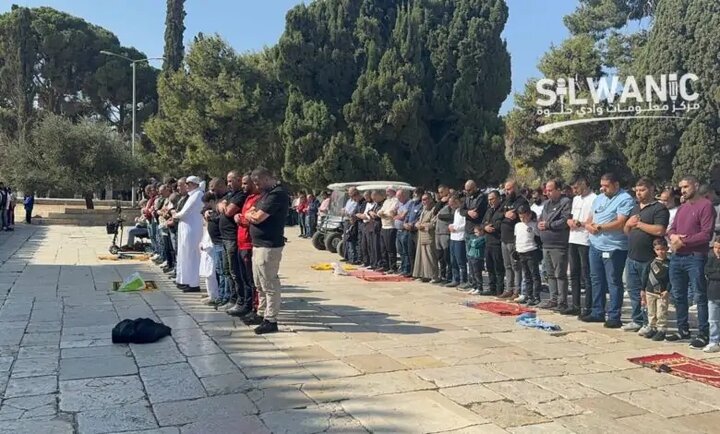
[
  {"x": 500, "y": 308},
  {"x": 375, "y": 276},
  {"x": 682, "y": 366}
]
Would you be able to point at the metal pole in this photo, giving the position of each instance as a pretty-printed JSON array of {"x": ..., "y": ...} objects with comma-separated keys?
[{"x": 132, "y": 140}]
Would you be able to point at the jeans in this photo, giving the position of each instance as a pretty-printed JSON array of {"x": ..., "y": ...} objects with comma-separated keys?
[
  {"x": 530, "y": 263},
  {"x": 302, "y": 222},
  {"x": 232, "y": 259},
  {"x": 389, "y": 249},
  {"x": 495, "y": 268},
  {"x": 636, "y": 275},
  {"x": 223, "y": 279},
  {"x": 580, "y": 274},
  {"x": 403, "y": 238},
  {"x": 458, "y": 261},
  {"x": 152, "y": 233},
  {"x": 310, "y": 224},
  {"x": 557, "y": 265},
  {"x": 687, "y": 273},
  {"x": 442, "y": 250},
  {"x": 169, "y": 252},
  {"x": 606, "y": 270},
  {"x": 136, "y": 232},
  {"x": 475, "y": 276},
  {"x": 513, "y": 273},
  {"x": 714, "y": 321}
]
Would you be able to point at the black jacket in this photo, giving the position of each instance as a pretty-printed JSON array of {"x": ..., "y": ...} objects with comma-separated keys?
[
  {"x": 494, "y": 218},
  {"x": 507, "y": 226},
  {"x": 476, "y": 202},
  {"x": 712, "y": 272}
]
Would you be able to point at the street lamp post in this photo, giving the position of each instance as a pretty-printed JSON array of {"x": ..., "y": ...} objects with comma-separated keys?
[{"x": 133, "y": 63}]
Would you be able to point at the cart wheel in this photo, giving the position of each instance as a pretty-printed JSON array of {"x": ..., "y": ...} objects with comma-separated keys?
[{"x": 114, "y": 249}]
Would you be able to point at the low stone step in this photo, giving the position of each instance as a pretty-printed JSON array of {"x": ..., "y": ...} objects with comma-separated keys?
[
  {"x": 83, "y": 211},
  {"x": 68, "y": 222}
]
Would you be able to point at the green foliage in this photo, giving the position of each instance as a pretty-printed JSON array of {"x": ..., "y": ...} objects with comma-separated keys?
[{"x": 174, "y": 30}]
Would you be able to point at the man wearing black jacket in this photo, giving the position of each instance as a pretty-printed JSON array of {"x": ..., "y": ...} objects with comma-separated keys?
[
  {"x": 507, "y": 237},
  {"x": 473, "y": 209},
  {"x": 232, "y": 204},
  {"x": 493, "y": 247}
]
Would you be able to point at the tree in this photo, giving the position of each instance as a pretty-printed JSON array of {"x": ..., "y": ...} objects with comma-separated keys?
[{"x": 174, "y": 30}]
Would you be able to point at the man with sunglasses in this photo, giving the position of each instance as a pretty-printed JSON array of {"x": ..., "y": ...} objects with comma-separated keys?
[{"x": 608, "y": 249}]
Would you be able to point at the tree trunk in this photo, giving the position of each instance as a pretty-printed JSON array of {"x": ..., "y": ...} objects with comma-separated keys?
[{"x": 89, "y": 201}]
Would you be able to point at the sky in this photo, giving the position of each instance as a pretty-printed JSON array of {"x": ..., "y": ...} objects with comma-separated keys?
[{"x": 249, "y": 25}]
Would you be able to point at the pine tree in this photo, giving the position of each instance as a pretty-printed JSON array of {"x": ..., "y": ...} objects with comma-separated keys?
[{"x": 174, "y": 30}]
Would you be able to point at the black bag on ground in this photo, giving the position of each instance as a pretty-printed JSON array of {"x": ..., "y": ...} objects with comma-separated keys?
[{"x": 139, "y": 331}]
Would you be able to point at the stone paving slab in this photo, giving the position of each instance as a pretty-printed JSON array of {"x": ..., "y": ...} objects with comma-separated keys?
[{"x": 350, "y": 357}]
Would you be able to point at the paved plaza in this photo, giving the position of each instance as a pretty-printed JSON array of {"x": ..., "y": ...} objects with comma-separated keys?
[{"x": 351, "y": 357}]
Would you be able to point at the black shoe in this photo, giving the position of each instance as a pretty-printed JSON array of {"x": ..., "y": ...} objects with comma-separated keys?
[
  {"x": 169, "y": 270},
  {"x": 252, "y": 319},
  {"x": 452, "y": 284},
  {"x": 425, "y": 280},
  {"x": 559, "y": 308},
  {"x": 437, "y": 281},
  {"x": 533, "y": 302},
  {"x": 266, "y": 327},
  {"x": 590, "y": 318},
  {"x": 181, "y": 285},
  {"x": 699, "y": 342},
  {"x": 658, "y": 336},
  {"x": 489, "y": 292},
  {"x": 238, "y": 310},
  {"x": 678, "y": 336},
  {"x": 584, "y": 312},
  {"x": 573, "y": 311},
  {"x": 191, "y": 289},
  {"x": 652, "y": 333},
  {"x": 613, "y": 324}
]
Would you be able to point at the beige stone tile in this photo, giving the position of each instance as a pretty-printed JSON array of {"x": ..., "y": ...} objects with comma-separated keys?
[
  {"x": 591, "y": 424},
  {"x": 609, "y": 407},
  {"x": 487, "y": 428},
  {"x": 557, "y": 408},
  {"x": 695, "y": 391},
  {"x": 329, "y": 369},
  {"x": 565, "y": 387},
  {"x": 365, "y": 385},
  {"x": 346, "y": 347},
  {"x": 506, "y": 414},
  {"x": 406, "y": 352},
  {"x": 425, "y": 411},
  {"x": 470, "y": 394},
  {"x": 608, "y": 383},
  {"x": 522, "y": 392},
  {"x": 486, "y": 355},
  {"x": 421, "y": 362},
  {"x": 701, "y": 423},
  {"x": 525, "y": 369},
  {"x": 650, "y": 378},
  {"x": 654, "y": 424},
  {"x": 311, "y": 353},
  {"x": 459, "y": 375},
  {"x": 541, "y": 428},
  {"x": 279, "y": 398},
  {"x": 656, "y": 401},
  {"x": 374, "y": 363}
]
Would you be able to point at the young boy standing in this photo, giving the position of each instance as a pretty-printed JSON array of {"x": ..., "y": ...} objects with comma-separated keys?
[
  {"x": 656, "y": 291},
  {"x": 712, "y": 272},
  {"x": 476, "y": 256},
  {"x": 526, "y": 247}
]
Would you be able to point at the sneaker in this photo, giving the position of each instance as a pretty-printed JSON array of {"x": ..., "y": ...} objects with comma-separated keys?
[
  {"x": 474, "y": 292},
  {"x": 570, "y": 311},
  {"x": 266, "y": 327},
  {"x": 452, "y": 285},
  {"x": 191, "y": 289},
  {"x": 699, "y": 342},
  {"x": 650, "y": 333},
  {"x": 487, "y": 292},
  {"x": 506, "y": 294},
  {"x": 466, "y": 286},
  {"x": 533, "y": 302},
  {"x": 209, "y": 302},
  {"x": 613, "y": 324},
  {"x": 712, "y": 348},
  {"x": 547, "y": 304},
  {"x": 252, "y": 319},
  {"x": 659, "y": 336},
  {"x": 631, "y": 327},
  {"x": 644, "y": 330},
  {"x": 678, "y": 336},
  {"x": 436, "y": 281},
  {"x": 238, "y": 311},
  {"x": 520, "y": 299}
]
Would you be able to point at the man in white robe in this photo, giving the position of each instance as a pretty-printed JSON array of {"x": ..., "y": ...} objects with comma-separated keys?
[{"x": 190, "y": 232}]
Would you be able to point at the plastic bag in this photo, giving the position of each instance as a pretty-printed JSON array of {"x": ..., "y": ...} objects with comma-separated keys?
[
  {"x": 132, "y": 283},
  {"x": 338, "y": 269}
]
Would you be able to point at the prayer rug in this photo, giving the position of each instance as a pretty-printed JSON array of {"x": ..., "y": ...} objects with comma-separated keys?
[
  {"x": 375, "y": 276},
  {"x": 682, "y": 366},
  {"x": 500, "y": 308},
  {"x": 149, "y": 285}
]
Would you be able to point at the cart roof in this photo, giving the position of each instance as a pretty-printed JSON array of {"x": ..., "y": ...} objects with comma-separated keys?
[{"x": 368, "y": 185}]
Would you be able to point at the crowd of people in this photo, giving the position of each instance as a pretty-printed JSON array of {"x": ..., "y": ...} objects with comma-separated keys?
[
  {"x": 586, "y": 249},
  {"x": 232, "y": 235},
  {"x": 8, "y": 202}
]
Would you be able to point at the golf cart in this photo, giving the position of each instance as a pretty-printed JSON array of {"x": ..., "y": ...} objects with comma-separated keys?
[{"x": 329, "y": 235}]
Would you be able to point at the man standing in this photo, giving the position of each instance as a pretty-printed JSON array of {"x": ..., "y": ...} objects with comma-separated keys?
[
  {"x": 230, "y": 206},
  {"x": 29, "y": 203},
  {"x": 244, "y": 243},
  {"x": 403, "y": 235},
  {"x": 348, "y": 212},
  {"x": 493, "y": 247},
  {"x": 608, "y": 249},
  {"x": 554, "y": 233},
  {"x": 178, "y": 202},
  {"x": 513, "y": 273},
  {"x": 4, "y": 199},
  {"x": 364, "y": 228},
  {"x": 388, "y": 235},
  {"x": 267, "y": 230},
  {"x": 412, "y": 216},
  {"x": 648, "y": 221},
  {"x": 473, "y": 209},
  {"x": 443, "y": 216},
  {"x": 690, "y": 233},
  {"x": 578, "y": 248},
  {"x": 190, "y": 232}
]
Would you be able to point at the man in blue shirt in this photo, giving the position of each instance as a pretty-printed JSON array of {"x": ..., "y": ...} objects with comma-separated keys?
[
  {"x": 608, "y": 249},
  {"x": 403, "y": 235},
  {"x": 351, "y": 246},
  {"x": 412, "y": 216}
]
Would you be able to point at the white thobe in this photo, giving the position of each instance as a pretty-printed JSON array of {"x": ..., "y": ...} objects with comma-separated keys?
[{"x": 190, "y": 232}]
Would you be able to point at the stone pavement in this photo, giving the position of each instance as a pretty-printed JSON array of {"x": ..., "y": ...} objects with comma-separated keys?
[{"x": 351, "y": 357}]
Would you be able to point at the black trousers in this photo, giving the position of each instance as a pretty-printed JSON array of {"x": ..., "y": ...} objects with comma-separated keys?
[
  {"x": 232, "y": 263},
  {"x": 376, "y": 256},
  {"x": 530, "y": 264},
  {"x": 389, "y": 246},
  {"x": 247, "y": 278},
  {"x": 28, "y": 216},
  {"x": 495, "y": 268},
  {"x": 169, "y": 251},
  {"x": 412, "y": 249},
  {"x": 579, "y": 259}
]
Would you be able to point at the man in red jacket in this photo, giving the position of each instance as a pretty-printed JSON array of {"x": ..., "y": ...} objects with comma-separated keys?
[{"x": 245, "y": 249}]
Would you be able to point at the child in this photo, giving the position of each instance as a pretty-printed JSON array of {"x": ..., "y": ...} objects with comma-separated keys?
[
  {"x": 712, "y": 272},
  {"x": 476, "y": 256},
  {"x": 207, "y": 256},
  {"x": 656, "y": 291},
  {"x": 529, "y": 256}
]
